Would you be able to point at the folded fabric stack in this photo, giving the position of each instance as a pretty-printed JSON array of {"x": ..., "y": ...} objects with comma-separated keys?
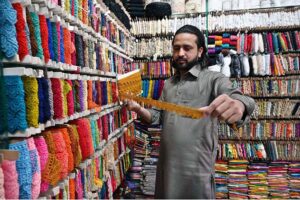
[
  {"x": 216, "y": 43},
  {"x": 238, "y": 181},
  {"x": 294, "y": 177},
  {"x": 258, "y": 184},
  {"x": 278, "y": 180},
  {"x": 221, "y": 176},
  {"x": 271, "y": 42}
]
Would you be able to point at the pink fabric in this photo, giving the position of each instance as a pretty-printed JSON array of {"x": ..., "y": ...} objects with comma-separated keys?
[
  {"x": 43, "y": 153},
  {"x": 35, "y": 163},
  {"x": 2, "y": 192},
  {"x": 11, "y": 185}
]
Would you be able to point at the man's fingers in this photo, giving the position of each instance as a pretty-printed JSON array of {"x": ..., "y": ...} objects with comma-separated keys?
[{"x": 234, "y": 118}]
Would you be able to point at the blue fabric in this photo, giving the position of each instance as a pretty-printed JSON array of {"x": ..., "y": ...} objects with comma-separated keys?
[
  {"x": 23, "y": 165},
  {"x": 15, "y": 98},
  {"x": 41, "y": 101},
  {"x": 8, "y": 34},
  {"x": 62, "y": 48},
  {"x": 104, "y": 93},
  {"x": 50, "y": 42},
  {"x": 47, "y": 107}
]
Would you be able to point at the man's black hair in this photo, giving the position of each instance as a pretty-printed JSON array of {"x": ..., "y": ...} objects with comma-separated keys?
[{"x": 200, "y": 41}]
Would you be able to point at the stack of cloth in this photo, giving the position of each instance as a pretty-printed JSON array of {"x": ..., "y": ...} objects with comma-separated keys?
[
  {"x": 237, "y": 179},
  {"x": 258, "y": 183},
  {"x": 278, "y": 180},
  {"x": 294, "y": 180},
  {"x": 221, "y": 177},
  {"x": 149, "y": 176},
  {"x": 216, "y": 43},
  {"x": 134, "y": 176},
  {"x": 149, "y": 155}
]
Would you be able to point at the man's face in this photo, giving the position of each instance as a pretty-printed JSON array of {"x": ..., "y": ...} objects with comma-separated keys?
[{"x": 185, "y": 51}]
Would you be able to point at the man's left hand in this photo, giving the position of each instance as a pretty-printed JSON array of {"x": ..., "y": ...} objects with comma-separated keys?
[{"x": 225, "y": 108}]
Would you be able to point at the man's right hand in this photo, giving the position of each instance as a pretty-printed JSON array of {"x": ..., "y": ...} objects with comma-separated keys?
[{"x": 132, "y": 105}]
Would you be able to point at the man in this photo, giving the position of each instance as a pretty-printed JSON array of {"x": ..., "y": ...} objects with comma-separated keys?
[{"x": 189, "y": 146}]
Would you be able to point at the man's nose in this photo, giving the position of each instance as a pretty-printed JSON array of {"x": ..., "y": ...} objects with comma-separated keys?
[{"x": 181, "y": 52}]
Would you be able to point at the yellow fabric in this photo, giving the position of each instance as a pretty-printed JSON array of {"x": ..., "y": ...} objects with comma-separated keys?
[{"x": 32, "y": 100}]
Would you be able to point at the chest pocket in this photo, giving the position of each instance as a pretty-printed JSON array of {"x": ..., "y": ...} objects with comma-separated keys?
[{"x": 194, "y": 93}]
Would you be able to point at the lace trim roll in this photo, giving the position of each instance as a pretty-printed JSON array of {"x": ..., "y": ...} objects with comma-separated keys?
[
  {"x": 109, "y": 92},
  {"x": 81, "y": 95},
  {"x": 50, "y": 39},
  {"x": 32, "y": 100},
  {"x": 74, "y": 138},
  {"x": 41, "y": 101},
  {"x": 79, "y": 50},
  {"x": 105, "y": 127},
  {"x": 21, "y": 33},
  {"x": 55, "y": 40},
  {"x": 85, "y": 53},
  {"x": 79, "y": 186},
  {"x": 2, "y": 191},
  {"x": 85, "y": 137},
  {"x": 91, "y": 103},
  {"x": 73, "y": 49},
  {"x": 85, "y": 95},
  {"x": 95, "y": 139},
  {"x": 99, "y": 95},
  {"x": 42, "y": 150},
  {"x": 84, "y": 11},
  {"x": 33, "y": 42},
  {"x": 91, "y": 53},
  {"x": 16, "y": 108},
  {"x": 68, "y": 46},
  {"x": 57, "y": 98},
  {"x": 50, "y": 98},
  {"x": 60, "y": 152},
  {"x": 70, "y": 98},
  {"x": 66, "y": 89},
  {"x": 28, "y": 38},
  {"x": 23, "y": 165},
  {"x": 61, "y": 44},
  {"x": 99, "y": 124},
  {"x": 11, "y": 185},
  {"x": 35, "y": 169},
  {"x": 103, "y": 93},
  {"x": 72, "y": 188},
  {"x": 76, "y": 96},
  {"x": 68, "y": 149},
  {"x": 37, "y": 34},
  {"x": 44, "y": 37},
  {"x": 58, "y": 29},
  {"x": 8, "y": 35},
  {"x": 46, "y": 94}
]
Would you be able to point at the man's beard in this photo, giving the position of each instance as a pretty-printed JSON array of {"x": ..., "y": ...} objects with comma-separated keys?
[{"x": 186, "y": 67}]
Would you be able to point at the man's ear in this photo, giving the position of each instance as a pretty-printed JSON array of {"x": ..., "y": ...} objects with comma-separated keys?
[{"x": 200, "y": 51}]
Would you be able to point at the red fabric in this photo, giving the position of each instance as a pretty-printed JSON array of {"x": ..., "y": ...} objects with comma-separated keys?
[
  {"x": 85, "y": 137},
  {"x": 57, "y": 98},
  {"x": 70, "y": 99},
  {"x": 21, "y": 34},
  {"x": 44, "y": 36}
]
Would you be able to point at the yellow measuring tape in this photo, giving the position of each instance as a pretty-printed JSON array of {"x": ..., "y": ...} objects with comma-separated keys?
[{"x": 130, "y": 87}]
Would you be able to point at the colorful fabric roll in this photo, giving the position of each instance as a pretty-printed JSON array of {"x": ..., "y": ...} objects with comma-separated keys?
[
  {"x": 32, "y": 100},
  {"x": 85, "y": 137},
  {"x": 24, "y": 170},
  {"x": 42, "y": 150},
  {"x": 35, "y": 168},
  {"x": 15, "y": 99},
  {"x": 11, "y": 185},
  {"x": 8, "y": 41}
]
